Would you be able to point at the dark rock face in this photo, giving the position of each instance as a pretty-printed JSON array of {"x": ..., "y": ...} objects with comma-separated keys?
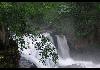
[
  {"x": 33, "y": 66},
  {"x": 86, "y": 54},
  {"x": 55, "y": 40},
  {"x": 23, "y": 63}
]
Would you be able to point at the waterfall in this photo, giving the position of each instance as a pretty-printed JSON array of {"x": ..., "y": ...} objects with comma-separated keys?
[
  {"x": 63, "y": 48},
  {"x": 65, "y": 61},
  {"x": 49, "y": 37},
  {"x": 32, "y": 55}
]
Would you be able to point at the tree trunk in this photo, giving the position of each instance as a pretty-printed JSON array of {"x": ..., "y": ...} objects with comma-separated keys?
[
  {"x": 8, "y": 49},
  {"x": 4, "y": 38}
]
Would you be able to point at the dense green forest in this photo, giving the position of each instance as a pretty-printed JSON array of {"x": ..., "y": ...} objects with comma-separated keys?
[{"x": 24, "y": 18}]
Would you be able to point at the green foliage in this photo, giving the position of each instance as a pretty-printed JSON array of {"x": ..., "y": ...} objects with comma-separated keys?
[
  {"x": 17, "y": 15},
  {"x": 27, "y": 17},
  {"x": 48, "y": 51},
  {"x": 85, "y": 19}
]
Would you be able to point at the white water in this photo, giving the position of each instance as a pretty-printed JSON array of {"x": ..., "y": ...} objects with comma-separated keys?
[
  {"x": 63, "y": 52},
  {"x": 63, "y": 48},
  {"x": 32, "y": 54},
  {"x": 64, "y": 55}
]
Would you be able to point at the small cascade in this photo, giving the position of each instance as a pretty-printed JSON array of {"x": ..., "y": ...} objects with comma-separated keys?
[
  {"x": 49, "y": 37},
  {"x": 63, "y": 48}
]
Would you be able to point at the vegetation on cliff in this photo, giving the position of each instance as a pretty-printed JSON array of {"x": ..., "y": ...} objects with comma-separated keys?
[{"x": 24, "y": 18}]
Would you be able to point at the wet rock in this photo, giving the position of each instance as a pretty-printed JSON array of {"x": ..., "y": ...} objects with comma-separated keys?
[
  {"x": 72, "y": 66},
  {"x": 33, "y": 66},
  {"x": 23, "y": 63}
]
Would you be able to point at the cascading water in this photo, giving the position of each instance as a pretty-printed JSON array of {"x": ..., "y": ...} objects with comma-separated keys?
[
  {"x": 49, "y": 37},
  {"x": 63, "y": 48},
  {"x": 63, "y": 51},
  {"x": 65, "y": 61},
  {"x": 32, "y": 54}
]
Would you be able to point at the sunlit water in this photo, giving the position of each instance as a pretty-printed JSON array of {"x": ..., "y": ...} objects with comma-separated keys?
[{"x": 33, "y": 56}]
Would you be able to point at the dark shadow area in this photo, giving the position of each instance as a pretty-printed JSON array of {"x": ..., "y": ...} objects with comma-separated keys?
[{"x": 9, "y": 55}]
